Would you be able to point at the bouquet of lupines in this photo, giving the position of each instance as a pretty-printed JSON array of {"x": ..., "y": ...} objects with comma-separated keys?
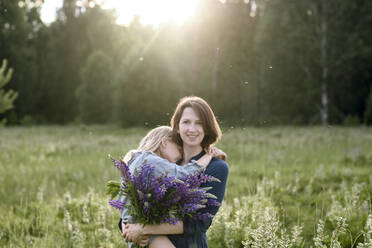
[{"x": 164, "y": 199}]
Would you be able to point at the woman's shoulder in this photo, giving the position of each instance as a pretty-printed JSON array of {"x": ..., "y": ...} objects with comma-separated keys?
[
  {"x": 218, "y": 161},
  {"x": 218, "y": 165}
]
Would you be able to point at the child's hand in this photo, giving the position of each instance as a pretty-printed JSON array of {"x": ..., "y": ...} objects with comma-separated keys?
[{"x": 217, "y": 153}]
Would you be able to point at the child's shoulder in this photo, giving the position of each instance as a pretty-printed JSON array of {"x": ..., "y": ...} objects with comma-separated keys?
[
  {"x": 145, "y": 155},
  {"x": 139, "y": 154}
]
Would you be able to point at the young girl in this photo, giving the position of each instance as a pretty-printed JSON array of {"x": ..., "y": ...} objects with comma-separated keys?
[{"x": 159, "y": 149}]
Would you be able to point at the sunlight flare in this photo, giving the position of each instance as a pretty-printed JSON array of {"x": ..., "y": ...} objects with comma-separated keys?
[{"x": 152, "y": 12}]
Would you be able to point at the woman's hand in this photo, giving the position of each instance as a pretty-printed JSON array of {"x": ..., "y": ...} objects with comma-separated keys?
[
  {"x": 217, "y": 153},
  {"x": 134, "y": 233}
]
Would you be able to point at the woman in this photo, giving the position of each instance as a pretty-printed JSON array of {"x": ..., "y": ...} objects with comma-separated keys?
[{"x": 197, "y": 129}]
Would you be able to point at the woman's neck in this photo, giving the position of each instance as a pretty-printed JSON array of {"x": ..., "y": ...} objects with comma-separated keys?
[{"x": 189, "y": 152}]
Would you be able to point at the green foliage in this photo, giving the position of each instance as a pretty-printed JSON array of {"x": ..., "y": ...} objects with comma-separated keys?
[
  {"x": 28, "y": 120},
  {"x": 94, "y": 95},
  {"x": 283, "y": 179},
  {"x": 252, "y": 221},
  {"x": 112, "y": 188},
  {"x": 351, "y": 120},
  {"x": 19, "y": 26},
  {"x": 6, "y": 97}
]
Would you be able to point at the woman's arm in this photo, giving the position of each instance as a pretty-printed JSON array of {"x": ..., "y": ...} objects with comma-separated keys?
[
  {"x": 147, "y": 230},
  {"x": 136, "y": 232}
]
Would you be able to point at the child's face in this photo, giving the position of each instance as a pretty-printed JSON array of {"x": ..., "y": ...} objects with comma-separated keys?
[{"x": 171, "y": 151}]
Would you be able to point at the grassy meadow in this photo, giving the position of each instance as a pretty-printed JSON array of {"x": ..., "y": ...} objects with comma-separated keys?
[{"x": 287, "y": 187}]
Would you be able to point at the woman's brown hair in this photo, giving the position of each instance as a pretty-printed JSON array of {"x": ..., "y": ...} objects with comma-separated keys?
[{"x": 201, "y": 107}]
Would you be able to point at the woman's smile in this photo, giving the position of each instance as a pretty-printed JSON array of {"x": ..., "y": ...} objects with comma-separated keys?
[{"x": 192, "y": 136}]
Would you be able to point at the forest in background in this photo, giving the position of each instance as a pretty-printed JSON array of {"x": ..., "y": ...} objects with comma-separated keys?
[{"x": 257, "y": 62}]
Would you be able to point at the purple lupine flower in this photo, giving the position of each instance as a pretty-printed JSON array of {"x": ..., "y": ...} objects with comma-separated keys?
[
  {"x": 160, "y": 189},
  {"x": 202, "y": 216},
  {"x": 116, "y": 204},
  {"x": 172, "y": 221},
  {"x": 123, "y": 168},
  {"x": 156, "y": 200},
  {"x": 213, "y": 203}
]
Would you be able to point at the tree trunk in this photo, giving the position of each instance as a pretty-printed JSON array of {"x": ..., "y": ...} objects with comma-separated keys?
[{"x": 324, "y": 64}]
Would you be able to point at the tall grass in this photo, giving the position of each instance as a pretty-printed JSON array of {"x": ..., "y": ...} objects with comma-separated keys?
[{"x": 288, "y": 187}]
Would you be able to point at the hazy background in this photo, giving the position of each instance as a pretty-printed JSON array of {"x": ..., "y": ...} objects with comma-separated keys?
[
  {"x": 263, "y": 65},
  {"x": 256, "y": 62}
]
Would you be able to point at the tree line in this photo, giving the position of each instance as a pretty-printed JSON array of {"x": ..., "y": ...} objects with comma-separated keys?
[{"x": 257, "y": 62}]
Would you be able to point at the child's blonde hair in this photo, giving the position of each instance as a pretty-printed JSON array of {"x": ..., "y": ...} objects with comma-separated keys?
[{"x": 152, "y": 141}]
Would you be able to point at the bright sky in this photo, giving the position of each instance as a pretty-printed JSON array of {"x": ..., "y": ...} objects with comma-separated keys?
[
  {"x": 48, "y": 10},
  {"x": 150, "y": 11}
]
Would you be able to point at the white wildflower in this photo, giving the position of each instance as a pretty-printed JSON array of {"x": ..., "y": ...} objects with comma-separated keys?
[
  {"x": 340, "y": 229},
  {"x": 67, "y": 220},
  {"x": 67, "y": 198},
  {"x": 296, "y": 238},
  {"x": 85, "y": 214},
  {"x": 320, "y": 237},
  {"x": 367, "y": 234},
  {"x": 77, "y": 236}
]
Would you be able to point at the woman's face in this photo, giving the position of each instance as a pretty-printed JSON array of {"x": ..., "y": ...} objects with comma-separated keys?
[{"x": 191, "y": 128}]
